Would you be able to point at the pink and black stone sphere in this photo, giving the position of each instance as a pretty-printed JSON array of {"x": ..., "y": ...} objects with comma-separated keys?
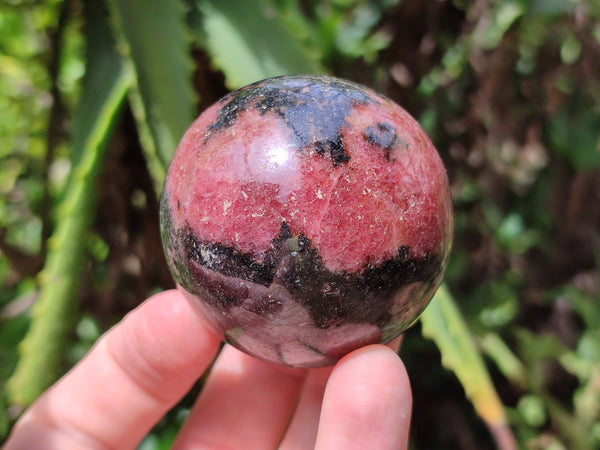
[{"x": 306, "y": 216}]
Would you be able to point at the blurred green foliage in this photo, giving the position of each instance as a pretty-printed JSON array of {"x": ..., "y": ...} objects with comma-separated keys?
[{"x": 95, "y": 94}]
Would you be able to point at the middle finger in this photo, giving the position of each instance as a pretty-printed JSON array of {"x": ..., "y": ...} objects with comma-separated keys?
[{"x": 246, "y": 403}]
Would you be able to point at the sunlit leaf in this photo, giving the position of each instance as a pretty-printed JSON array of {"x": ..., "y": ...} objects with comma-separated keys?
[
  {"x": 532, "y": 410},
  {"x": 503, "y": 17},
  {"x": 248, "y": 42},
  {"x": 356, "y": 38},
  {"x": 570, "y": 50},
  {"x": 155, "y": 41}
]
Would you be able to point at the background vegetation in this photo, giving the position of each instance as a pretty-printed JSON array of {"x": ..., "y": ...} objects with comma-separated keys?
[{"x": 94, "y": 96}]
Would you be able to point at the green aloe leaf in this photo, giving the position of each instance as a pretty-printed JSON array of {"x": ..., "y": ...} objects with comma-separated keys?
[
  {"x": 103, "y": 94},
  {"x": 155, "y": 41},
  {"x": 443, "y": 323},
  {"x": 249, "y": 42}
]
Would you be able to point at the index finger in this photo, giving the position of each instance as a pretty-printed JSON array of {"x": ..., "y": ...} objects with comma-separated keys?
[{"x": 130, "y": 379}]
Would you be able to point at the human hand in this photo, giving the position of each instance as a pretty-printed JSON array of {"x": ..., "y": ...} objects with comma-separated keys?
[{"x": 144, "y": 365}]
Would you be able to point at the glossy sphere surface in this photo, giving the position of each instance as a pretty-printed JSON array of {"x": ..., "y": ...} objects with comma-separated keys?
[{"x": 306, "y": 216}]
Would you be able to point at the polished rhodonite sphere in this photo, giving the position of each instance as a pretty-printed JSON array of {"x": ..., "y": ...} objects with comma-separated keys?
[{"x": 306, "y": 216}]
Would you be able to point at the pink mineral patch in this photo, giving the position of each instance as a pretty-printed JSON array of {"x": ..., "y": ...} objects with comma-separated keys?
[
  {"x": 237, "y": 187},
  {"x": 307, "y": 216}
]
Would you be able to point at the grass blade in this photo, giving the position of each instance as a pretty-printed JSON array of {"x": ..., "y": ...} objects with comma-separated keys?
[{"x": 443, "y": 323}]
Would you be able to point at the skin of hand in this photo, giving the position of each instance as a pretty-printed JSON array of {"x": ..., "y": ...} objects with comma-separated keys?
[{"x": 145, "y": 364}]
